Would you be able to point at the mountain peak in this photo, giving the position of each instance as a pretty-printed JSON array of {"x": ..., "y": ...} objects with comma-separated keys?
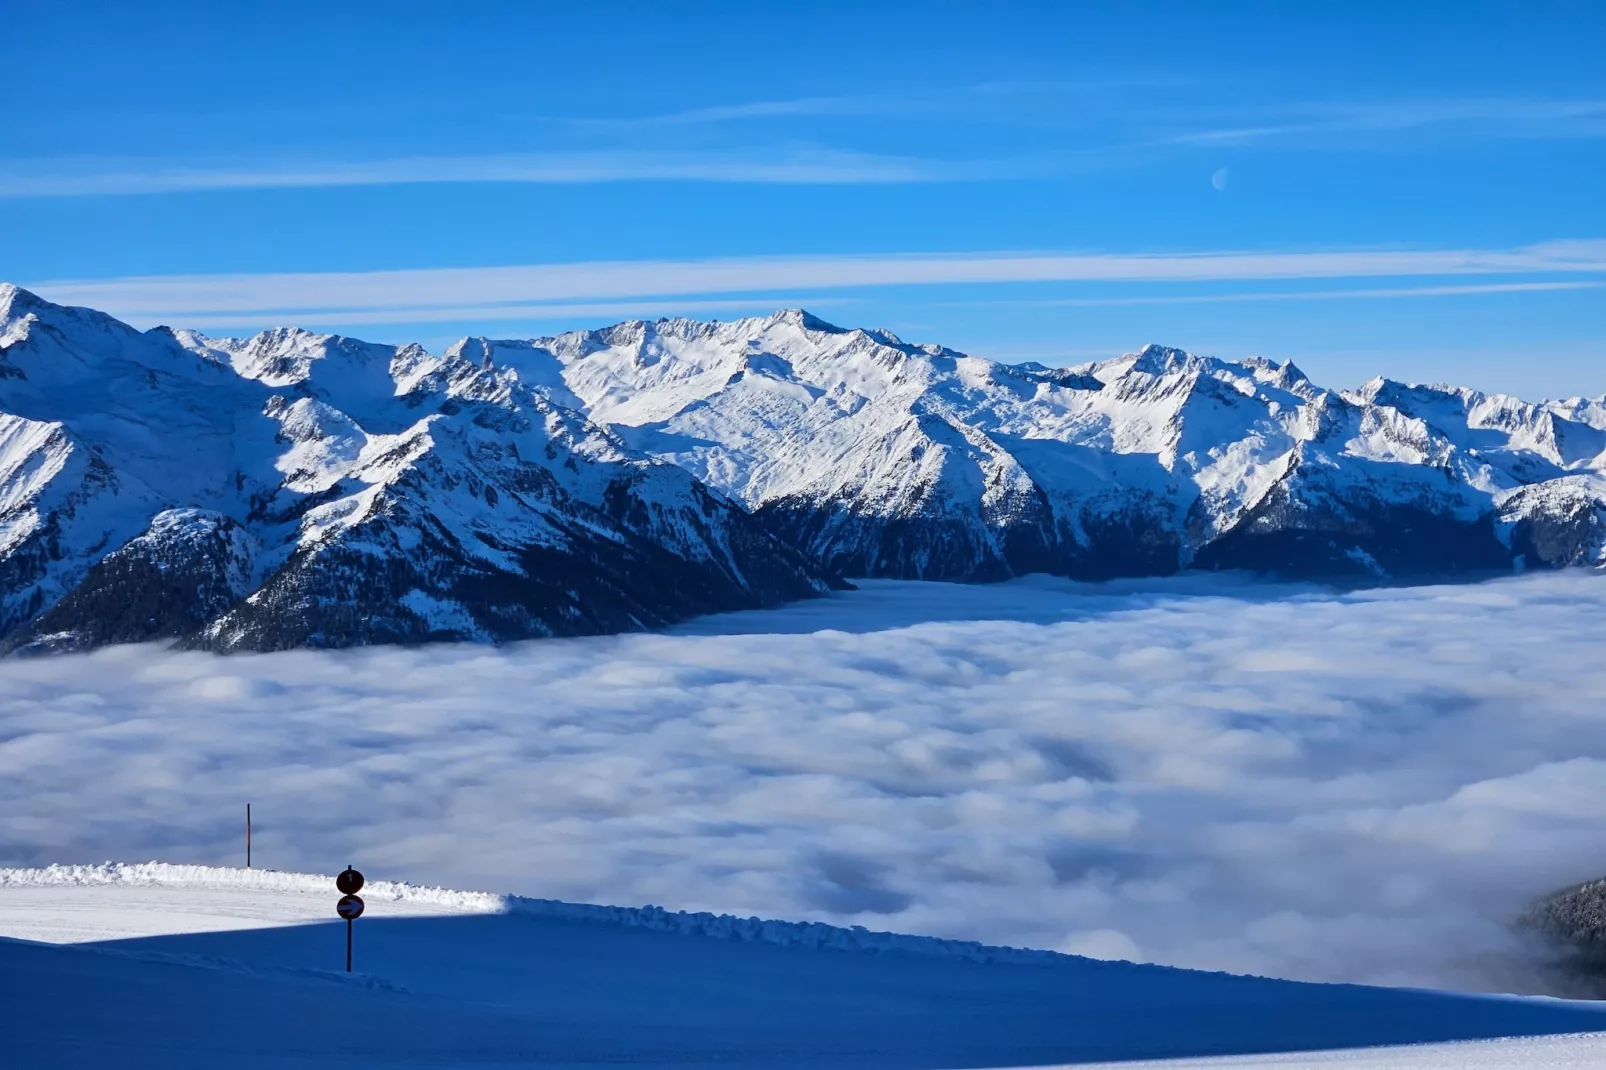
[
  {"x": 804, "y": 319},
  {"x": 16, "y": 302},
  {"x": 1156, "y": 359}
]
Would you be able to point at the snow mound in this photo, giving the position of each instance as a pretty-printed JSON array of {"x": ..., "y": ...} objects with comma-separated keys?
[{"x": 165, "y": 875}]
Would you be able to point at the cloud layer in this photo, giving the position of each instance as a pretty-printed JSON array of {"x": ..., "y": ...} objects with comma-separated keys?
[
  {"x": 1108, "y": 128},
  {"x": 1354, "y": 786},
  {"x": 776, "y": 166},
  {"x": 449, "y": 293}
]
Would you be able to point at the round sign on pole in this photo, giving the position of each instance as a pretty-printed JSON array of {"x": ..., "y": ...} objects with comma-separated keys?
[
  {"x": 350, "y": 907},
  {"x": 350, "y": 882}
]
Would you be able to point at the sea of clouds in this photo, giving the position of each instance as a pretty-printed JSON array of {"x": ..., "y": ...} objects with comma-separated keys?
[{"x": 1360, "y": 786}]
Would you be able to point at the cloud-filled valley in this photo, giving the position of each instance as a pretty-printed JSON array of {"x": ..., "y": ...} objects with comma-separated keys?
[{"x": 1361, "y": 786}]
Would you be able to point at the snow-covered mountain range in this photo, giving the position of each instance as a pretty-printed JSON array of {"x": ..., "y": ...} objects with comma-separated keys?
[
  {"x": 881, "y": 458},
  {"x": 297, "y": 489},
  {"x": 300, "y": 489}
]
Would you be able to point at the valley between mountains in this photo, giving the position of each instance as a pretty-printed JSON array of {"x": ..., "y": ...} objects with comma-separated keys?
[{"x": 303, "y": 490}]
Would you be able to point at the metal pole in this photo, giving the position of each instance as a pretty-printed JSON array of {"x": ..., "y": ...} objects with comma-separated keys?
[
  {"x": 247, "y": 835},
  {"x": 348, "y": 945}
]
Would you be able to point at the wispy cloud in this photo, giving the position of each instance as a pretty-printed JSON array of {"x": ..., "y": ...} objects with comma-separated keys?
[
  {"x": 203, "y": 298},
  {"x": 1506, "y": 118},
  {"x": 1125, "y": 125},
  {"x": 1294, "y": 295},
  {"x": 525, "y": 313},
  {"x": 746, "y": 112},
  {"x": 978, "y": 101},
  {"x": 1109, "y": 134},
  {"x": 1123, "y": 120},
  {"x": 789, "y": 166}
]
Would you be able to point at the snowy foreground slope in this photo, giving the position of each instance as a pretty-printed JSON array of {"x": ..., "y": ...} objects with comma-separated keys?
[
  {"x": 181, "y": 966},
  {"x": 297, "y": 489}
]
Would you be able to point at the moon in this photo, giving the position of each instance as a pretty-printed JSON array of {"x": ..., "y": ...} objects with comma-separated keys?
[{"x": 1219, "y": 179}]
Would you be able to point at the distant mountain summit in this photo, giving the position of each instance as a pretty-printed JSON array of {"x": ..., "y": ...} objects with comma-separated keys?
[{"x": 299, "y": 489}]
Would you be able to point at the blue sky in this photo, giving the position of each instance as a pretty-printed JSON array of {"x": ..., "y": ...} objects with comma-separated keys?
[{"x": 1417, "y": 190}]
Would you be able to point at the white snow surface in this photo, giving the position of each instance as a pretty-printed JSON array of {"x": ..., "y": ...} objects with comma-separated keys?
[
  {"x": 180, "y": 965},
  {"x": 117, "y": 901},
  {"x": 1580, "y": 1051}
]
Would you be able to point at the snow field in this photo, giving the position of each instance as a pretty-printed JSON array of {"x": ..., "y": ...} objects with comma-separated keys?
[
  {"x": 115, "y": 900},
  {"x": 454, "y": 979}
]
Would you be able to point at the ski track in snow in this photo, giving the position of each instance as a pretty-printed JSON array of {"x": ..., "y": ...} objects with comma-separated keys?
[{"x": 1282, "y": 781}]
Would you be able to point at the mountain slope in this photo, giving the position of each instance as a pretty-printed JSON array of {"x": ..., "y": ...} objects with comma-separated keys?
[
  {"x": 295, "y": 489},
  {"x": 883, "y": 458},
  {"x": 245, "y": 968}
]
